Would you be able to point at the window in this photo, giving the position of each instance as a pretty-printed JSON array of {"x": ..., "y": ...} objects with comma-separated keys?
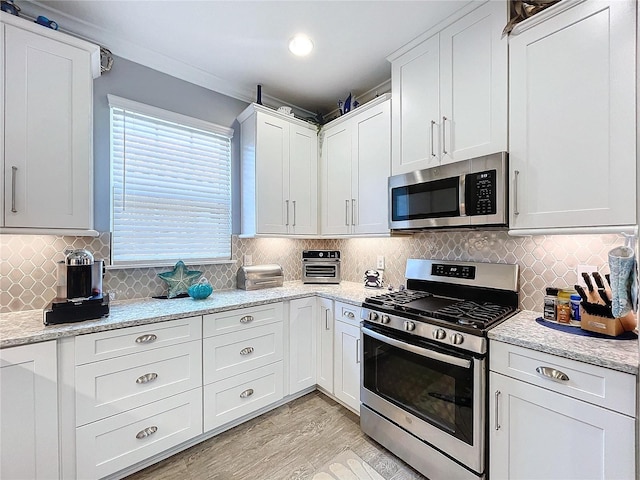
[{"x": 171, "y": 186}]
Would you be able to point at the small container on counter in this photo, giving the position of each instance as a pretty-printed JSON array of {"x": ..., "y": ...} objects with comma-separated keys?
[
  {"x": 575, "y": 307},
  {"x": 550, "y": 303},
  {"x": 563, "y": 308}
]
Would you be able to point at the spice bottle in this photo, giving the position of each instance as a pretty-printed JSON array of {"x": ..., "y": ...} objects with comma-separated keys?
[
  {"x": 563, "y": 309},
  {"x": 575, "y": 307},
  {"x": 550, "y": 300}
]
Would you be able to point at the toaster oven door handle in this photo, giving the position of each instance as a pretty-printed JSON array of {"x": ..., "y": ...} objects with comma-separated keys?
[{"x": 424, "y": 352}]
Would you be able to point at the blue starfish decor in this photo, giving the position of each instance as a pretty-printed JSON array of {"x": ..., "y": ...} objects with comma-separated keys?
[{"x": 179, "y": 279}]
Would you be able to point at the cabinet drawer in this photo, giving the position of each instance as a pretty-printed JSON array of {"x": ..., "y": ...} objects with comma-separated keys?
[
  {"x": 234, "y": 397},
  {"x": 239, "y": 352},
  {"x": 597, "y": 385},
  {"x": 235, "y": 320},
  {"x": 111, "y": 386},
  {"x": 347, "y": 313},
  {"x": 109, "y": 445},
  {"x": 115, "y": 343}
]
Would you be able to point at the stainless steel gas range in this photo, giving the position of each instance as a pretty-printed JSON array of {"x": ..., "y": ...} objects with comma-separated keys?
[{"x": 424, "y": 364}]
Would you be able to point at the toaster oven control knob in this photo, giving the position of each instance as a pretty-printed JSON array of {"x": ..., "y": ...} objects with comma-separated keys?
[
  {"x": 457, "y": 338},
  {"x": 385, "y": 319},
  {"x": 439, "y": 334},
  {"x": 373, "y": 316},
  {"x": 409, "y": 326}
]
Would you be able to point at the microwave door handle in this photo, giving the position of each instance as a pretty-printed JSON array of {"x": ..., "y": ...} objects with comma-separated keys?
[
  {"x": 424, "y": 352},
  {"x": 462, "y": 180}
]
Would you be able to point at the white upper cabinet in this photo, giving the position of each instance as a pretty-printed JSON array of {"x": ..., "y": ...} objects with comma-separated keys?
[
  {"x": 47, "y": 134},
  {"x": 572, "y": 129},
  {"x": 450, "y": 93},
  {"x": 354, "y": 167},
  {"x": 279, "y": 174}
]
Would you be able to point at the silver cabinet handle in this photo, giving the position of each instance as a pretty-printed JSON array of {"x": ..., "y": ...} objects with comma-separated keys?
[
  {"x": 431, "y": 135},
  {"x": 353, "y": 211},
  {"x": 553, "y": 374},
  {"x": 346, "y": 212},
  {"x": 147, "y": 338},
  {"x": 326, "y": 319},
  {"x": 497, "y": 425},
  {"x": 294, "y": 213},
  {"x": 444, "y": 145},
  {"x": 246, "y": 351},
  {"x": 357, "y": 350},
  {"x": 14, "y": 172},
  {"x": 147, "y": 377},
  {"x": 246, "y": 319},
  {"x": 515, "y": 192},
  {"x": 146, "y": 432},
  {"x": 247, "y": 393},
  {"x": 287, "y": 204},
  {"x": 350, "y": 315}
]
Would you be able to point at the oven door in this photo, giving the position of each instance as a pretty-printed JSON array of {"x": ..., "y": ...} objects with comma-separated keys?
[{"x": 435, "y": 393}]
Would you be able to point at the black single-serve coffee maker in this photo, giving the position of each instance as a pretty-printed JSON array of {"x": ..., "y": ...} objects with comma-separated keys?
[{"x": 79, "y": 293}]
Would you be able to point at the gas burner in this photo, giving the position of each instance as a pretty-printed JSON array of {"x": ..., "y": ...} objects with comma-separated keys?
[
  {"x": 395, "y": 299},
  {"x": 473, "y": 314}
]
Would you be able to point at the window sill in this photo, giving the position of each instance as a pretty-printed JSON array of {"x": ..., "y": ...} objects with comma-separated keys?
[{"x": 125, "y": 266}]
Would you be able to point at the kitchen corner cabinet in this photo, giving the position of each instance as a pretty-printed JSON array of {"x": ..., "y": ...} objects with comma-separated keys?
[
  {"x": 450, "y": 93},
  {"x": 324, "y": 372},
  {"x": 355, "y": 162},
  {"x": 545, "y": 428},
  {"x": 279, "y": 170},
  {"x": 47, "y": 132},
  {"x": 302, "y": 343},
  {"x": 29, "y": 412},
  {"x": 572, "y": 127},
  {"x": 347, "y": 355}
]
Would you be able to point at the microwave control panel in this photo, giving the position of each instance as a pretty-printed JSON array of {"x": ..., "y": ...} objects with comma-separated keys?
[{"x": 480, "y": 193}]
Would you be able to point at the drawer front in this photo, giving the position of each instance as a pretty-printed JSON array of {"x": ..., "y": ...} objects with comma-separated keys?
[
  {"x": 347, "y": 313},
  {"x": 116, "y": 343},
  {"x": 237, "y": 320},
  {"x": 117, "y": 442},
  {"x": 597, "y": 385},
  {"x": 112, "y": 386},
  {"x": 232, "y": 398},
  {"x": 239, "y": 352}
]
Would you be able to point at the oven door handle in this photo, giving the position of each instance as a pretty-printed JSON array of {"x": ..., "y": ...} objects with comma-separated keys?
[{"x": 424, "y": 352}]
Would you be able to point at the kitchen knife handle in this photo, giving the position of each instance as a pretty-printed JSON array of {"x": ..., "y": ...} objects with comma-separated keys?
[
  {"x": 14, "y": 171},
  {"x": 598, "y": 279},
  {"x": 516, "y": 173},
  {"x": 444, "y": 145},
  {"x": 581, "y": 292},
  {"x": 587, "y": 281},
  {"x": 431, "y": 135}
]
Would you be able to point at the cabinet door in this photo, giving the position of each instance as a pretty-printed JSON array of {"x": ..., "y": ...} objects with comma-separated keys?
[
  {"x": 272, "y": 172},
  {"x": 336, "y": 180},
  {"x": 372, "y": 167},
  {"x": 303, "y": 181},
  {"x": 473, "y": 84},
  {"x": 572, "y": 118},
  {"x": 324, "y": 371},
  {"x": 416, "y": 112},
  {"x": 47, "y": 133},
  {"x": 302, "y": 343},
  {"x": 539, "y": 434},
  {"x": 29, "y": 412},
  {"x": 347, "y": 365}
]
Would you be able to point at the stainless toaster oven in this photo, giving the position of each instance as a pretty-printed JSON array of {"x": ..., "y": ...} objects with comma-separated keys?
[{"x": 321, "y": 266}]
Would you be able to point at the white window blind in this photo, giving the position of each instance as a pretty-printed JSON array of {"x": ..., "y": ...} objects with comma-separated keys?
[{"x": 171, "y": 186}]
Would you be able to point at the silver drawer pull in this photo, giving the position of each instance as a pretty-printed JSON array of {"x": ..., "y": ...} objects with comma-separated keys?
[
  {"x": 246, "y": 351},
  {"x": 247, "y": 393},
  {"x": 246, "y": 319},
  {"x": 14, "y": 171},
  {"x": 146, "y": 432},
  {"x": 146, "y": 338},
  {"x": 147, "y": 377},
  {"x": 350, "y": 315},
  {"x": 553, "y": 373}
]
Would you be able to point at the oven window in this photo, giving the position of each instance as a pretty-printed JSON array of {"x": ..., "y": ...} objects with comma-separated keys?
[
  {"x": 438, "y": 198},
  {"x": 435, "y": 391}
]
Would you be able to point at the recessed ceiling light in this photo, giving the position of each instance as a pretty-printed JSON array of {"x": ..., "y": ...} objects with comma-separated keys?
[{"x": 300, "y": 45}]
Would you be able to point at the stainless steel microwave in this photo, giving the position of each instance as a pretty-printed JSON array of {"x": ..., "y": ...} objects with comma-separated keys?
[{"x": 470, "y": 193}]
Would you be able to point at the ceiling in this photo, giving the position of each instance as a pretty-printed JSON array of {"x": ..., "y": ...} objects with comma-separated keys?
[{"x": 232, "y": 46}]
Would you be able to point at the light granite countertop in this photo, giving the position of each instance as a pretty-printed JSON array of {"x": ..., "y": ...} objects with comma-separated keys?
[
  {"x": 523, "y": 330},
  {"x": 19, "y": 328}
]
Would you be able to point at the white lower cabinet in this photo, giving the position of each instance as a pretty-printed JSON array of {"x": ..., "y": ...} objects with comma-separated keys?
[
  {"x": 302, "y": 343},
  {"x": 540, "y": 429},
  {"x": 324, "y": 357},
  {"x": 117, "y": 442},
  {"x": 346, "y": 386},
  {"x": 29, "y": 412}
]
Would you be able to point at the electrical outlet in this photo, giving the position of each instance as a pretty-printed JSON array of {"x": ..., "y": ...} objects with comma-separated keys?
[
  {"x": 247, "y": 260},
  {"x": 586, "y": 269},
  {"x": 380, "y": 262}
]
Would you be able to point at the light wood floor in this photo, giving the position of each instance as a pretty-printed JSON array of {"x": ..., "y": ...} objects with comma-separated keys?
[{"x": 288, "y": 443}]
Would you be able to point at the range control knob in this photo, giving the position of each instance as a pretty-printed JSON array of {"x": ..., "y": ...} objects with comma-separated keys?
[
  {"x": 457, "y": 338},
  {"x": 385, "y": 319},
  {"x": 409, "y": 326},
  {"x": 373, "y": 316},
  {"x": 439, "y": 334}
]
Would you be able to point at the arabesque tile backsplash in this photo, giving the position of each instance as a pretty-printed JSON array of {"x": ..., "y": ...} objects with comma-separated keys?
[{"x": 28, "y": 262}]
